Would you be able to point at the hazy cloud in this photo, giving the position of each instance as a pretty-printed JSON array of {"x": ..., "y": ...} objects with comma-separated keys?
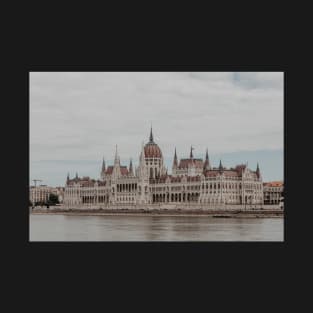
[{"x": 81, "y": 116}]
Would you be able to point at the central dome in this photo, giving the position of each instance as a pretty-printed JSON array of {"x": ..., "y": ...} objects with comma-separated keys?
[{"x": 151, "y": 149}]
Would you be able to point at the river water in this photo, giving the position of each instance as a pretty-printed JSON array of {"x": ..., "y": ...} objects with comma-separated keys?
[{"x": 153, "y": 228}]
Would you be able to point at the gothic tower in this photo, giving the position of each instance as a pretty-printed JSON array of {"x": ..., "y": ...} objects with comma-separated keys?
[
  {"x": 153, "y": 158},
  {"x": 143, "y": 175},
  {"x": 175, "y": 164},
  {"x": 258, "y": 173},
  {"x": 102, "y": 173},
  {"x": 206, "y": 165},
  {"x": 131, "y": 173}
]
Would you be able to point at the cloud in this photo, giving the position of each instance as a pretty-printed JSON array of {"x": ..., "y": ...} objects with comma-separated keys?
[{"x": 81, "y": 116}]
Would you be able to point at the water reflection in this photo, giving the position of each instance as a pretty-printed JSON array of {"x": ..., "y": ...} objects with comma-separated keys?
[{"x": 153, "y": 228}]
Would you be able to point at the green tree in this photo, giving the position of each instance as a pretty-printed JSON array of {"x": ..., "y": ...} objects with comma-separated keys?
[{"x": 53, "y": 199}]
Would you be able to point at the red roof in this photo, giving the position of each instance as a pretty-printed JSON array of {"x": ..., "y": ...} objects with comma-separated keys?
[
  {"x": 240, "y": 168},
  {"x": 211, "y": 173},
  {"x": 274, "y": 184},
  {"x": 230, "y": 173},
  {"x": 185, "y": 162},
  {"x": 152, "y": 150},
  {"x": 124, "y": 170},
  {"x": 78, "y": 180},
  {"x": 109, "y": 170},
  {"x": 87, "y": 184}
]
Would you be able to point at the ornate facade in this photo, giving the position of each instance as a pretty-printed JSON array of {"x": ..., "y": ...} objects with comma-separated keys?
[
  {"x": 41, "y": 193},
  {"x": 192, "y": 181},
  {"x": 273, "y": 192}
]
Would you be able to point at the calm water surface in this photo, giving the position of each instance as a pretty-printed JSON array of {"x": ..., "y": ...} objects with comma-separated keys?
[{"x": 150, "y": 228}]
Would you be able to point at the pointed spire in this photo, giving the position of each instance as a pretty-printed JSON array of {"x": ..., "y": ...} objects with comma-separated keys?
[
  {"x": 103, "y": 165},
  {"x": 206, "y": 165},
  {"x": 68, "y": 177},
  {"x": 220, "y": 167},
  {"x": 258, "y": 170},
  {"x": 131, "y": 167},
  {"x": 191, "y": 155},
  {"x": 175, "y": 159},
  {"x": 76, "y": 176},
  {"x": 116, "y": 158},
  {"x": 151, "y": 135}
]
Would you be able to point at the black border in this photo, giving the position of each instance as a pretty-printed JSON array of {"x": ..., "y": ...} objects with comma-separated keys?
[{"x": 82, "y": 273}]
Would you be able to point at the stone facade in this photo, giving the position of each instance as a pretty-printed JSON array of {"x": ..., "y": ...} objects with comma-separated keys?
[
  {"x": 192, "y": 181},
  {"x": 273, "y": 192},
  {"x": 41, "y": 193}
]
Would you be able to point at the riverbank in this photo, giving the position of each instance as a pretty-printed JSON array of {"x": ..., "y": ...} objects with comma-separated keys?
[{"x": 253, "y": 213}]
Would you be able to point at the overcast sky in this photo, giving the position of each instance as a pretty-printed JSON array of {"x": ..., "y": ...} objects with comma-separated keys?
[{"x": 77, "y": 118}]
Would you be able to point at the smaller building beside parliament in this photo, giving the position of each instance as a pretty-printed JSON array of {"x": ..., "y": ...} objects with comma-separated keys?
[{"x": 192, "y": 180}]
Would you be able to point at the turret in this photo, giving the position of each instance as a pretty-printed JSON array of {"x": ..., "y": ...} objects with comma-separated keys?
[
  {"x": 116, "y": 168},
  {"x": 102, "y": 174},
  {"x": 103, "y": 166},
  {"x": 206, "y": 165},
  {"x": 151, "y": 136},
  {"x": 175, "y": 163},
  {"x": 220, "y": 167},
  {"x": 191, "y": 154},
  {"x": 131, "y": 173},
  {"x": 116, "y": 158},
  {"x": 68, "y": 178},
  {"x": 258, "y": 174}
]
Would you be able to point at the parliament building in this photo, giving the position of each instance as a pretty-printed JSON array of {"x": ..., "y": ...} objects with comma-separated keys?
[{"x": 192, "y": 180}]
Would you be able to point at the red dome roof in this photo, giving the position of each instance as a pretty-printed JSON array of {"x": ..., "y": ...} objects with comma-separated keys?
[{"x": 152, "y": 150}]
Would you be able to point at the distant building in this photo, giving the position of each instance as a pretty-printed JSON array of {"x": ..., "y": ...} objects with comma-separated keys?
[
  {"x": 273, "y": 192},
  {"x": 192, "y": 181},
  {"x": 59, "y": 191},
  {"x": 41, "y": 193}
]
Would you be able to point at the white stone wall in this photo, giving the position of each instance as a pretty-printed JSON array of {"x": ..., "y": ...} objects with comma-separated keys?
[
  {"x": 135, "y": 190},
  {"x": 41, "y": 193},
  {"x": 273, "y": 194}
]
